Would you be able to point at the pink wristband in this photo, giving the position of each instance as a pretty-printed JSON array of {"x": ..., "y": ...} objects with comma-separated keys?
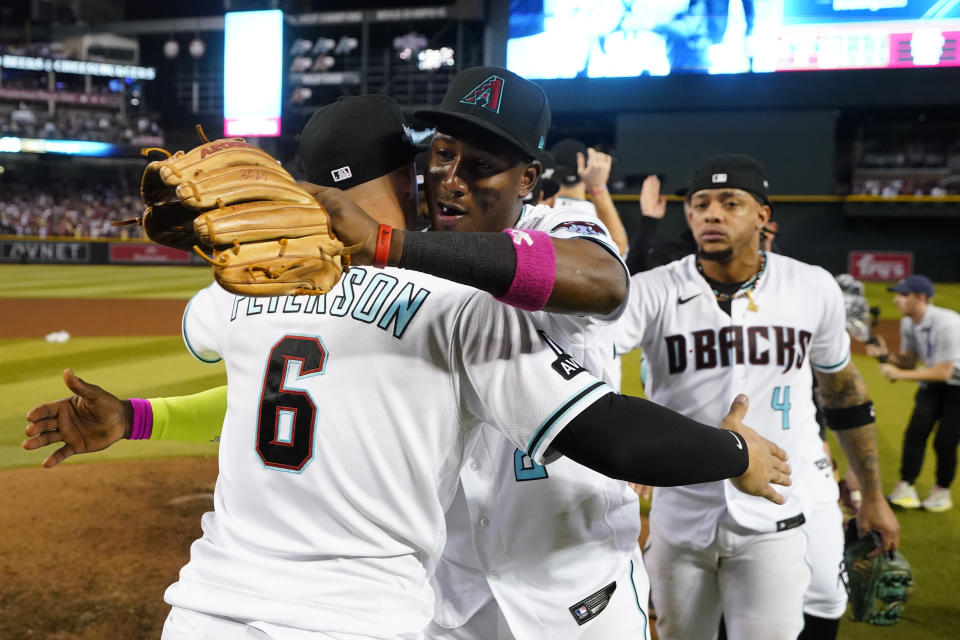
[
  {"x": 536, "y": 270},
  {"x": 142, "y": 419}
]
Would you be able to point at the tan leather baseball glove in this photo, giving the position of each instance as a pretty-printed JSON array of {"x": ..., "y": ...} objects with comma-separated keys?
[{"x": 267, "y": 236}]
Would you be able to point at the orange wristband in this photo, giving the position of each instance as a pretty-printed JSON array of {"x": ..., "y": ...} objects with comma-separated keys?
[{"x": 384, "y": 232}]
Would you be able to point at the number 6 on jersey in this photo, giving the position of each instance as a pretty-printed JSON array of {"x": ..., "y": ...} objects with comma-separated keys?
[{"x": 287, "y": 416}]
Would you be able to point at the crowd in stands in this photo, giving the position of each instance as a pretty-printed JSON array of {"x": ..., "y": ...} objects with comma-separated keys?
[
  {"x": 918, "y": 167},
  {"x": 79, "y": 124},
  {"x": 65, "y": 210}
]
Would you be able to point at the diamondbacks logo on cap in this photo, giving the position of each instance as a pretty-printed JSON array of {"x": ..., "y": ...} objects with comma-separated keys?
[
  {"x": 487, "y": 94},
  {"x": 718, "y": 177},
  {"x": 341, "y": 174}
]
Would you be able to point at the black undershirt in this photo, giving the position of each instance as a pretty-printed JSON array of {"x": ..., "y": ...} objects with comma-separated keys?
[{"x": 728, "y": 288}]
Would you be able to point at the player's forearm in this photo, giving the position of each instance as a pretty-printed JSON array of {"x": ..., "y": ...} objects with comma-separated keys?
[
  {"x": 845, "y": 401},
  {"x": 610, "y": 217},
  {"x": 638, "y": 441},
  {"x": 860, "y": 447},
  {"x": 527, "y": 269},
  {"x": 588, "y": 278},
  {"x": 193, "y": 418}
]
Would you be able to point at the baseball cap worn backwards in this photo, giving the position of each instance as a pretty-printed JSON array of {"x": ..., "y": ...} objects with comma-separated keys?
[
  {"x": 498, "y": 102},
  {"x": 355, "y": 140},
  {"x": 914, "y": 284},
  {"x": 734, "y": 171}
]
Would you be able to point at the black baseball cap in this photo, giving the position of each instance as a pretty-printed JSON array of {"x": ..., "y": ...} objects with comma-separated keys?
[
  {"x": 496, "y": 101},
  {"x": 735, "y": 171},
  {"x": 355, "y": 140},
  {"x": 914, "y": 284},
  {"x": 565, "y": 153}
]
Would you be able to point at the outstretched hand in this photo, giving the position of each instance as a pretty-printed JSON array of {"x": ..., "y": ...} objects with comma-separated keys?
[
  {"x": 90, "y": 420},
  {"x": 768, "y": 462},
  {"x": 594, "y": 169},
  {"x": 349, "y": 222},
  {"x": 652, "y": 204}
]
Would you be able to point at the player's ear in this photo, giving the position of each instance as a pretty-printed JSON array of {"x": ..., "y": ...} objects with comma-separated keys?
[
  {"x": 763, "y": 216},
  {"x": 529, "y": 176}
]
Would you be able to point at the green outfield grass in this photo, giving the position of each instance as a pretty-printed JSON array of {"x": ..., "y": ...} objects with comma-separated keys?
[
  {"x": 101, "y": 281},
  {"x": 928, "y": 540}
]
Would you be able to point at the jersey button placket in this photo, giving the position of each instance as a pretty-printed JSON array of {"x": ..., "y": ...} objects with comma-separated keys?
[
  {"x": 474, "y": 465},
  {"x": 484, "y": 521}
]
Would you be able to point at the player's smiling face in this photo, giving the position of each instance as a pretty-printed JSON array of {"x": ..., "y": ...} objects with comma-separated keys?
[
  {"x": 725, "y": 222},
  {"x": 474, "y": 182}
]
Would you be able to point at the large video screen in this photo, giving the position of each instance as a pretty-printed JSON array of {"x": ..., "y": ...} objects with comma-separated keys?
[
  {"x": 252, "y": 73},
  {"x": 624, "y": 38}
]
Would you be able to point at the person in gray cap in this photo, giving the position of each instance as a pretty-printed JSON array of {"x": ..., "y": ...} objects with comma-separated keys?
[{"x": 931, "y": 335}]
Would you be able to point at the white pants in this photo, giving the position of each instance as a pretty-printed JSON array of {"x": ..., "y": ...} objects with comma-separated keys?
[
  {"x": 756, "y": 581},
  {"x": 186, "y": 624},
  {"x": 625, "y": 616},
  {"x": 826, "y": 597}
]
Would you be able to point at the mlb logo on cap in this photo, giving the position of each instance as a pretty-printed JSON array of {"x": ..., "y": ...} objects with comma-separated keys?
[
  {"x": 341, "y": 174},
  {"x": 719, "y": 177},
  {"x": 581, "y": 611}
]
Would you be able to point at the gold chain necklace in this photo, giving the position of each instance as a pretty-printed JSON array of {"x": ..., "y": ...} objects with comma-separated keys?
[{"x": 747, "y": 289}]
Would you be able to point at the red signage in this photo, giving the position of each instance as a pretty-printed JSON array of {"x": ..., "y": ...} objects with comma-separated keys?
[
  {"x": 153, "y": 253},
  {"x": 880, "y": 265}
]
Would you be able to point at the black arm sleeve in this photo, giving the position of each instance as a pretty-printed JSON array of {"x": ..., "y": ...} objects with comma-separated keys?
[
  {"x": 641, "y": 243},
  {"x": 639, "y": 441},
  {"x": 486, "y": 261}
]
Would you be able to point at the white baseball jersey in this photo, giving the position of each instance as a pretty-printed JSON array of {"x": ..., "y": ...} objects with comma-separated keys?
[
  {"x": 538, "y": 540},
  {"x": 699, "y": 358},
  {"x": 348, "y": 417},
  {"x": 563, "y": 203}
]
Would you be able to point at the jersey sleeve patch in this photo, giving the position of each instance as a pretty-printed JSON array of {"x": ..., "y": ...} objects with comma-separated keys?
[{"x": 581, "y": 228}]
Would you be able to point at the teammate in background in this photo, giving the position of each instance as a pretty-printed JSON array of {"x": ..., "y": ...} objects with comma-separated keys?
[
  {"x": 47, "y": 437},
  {"x": 580, "y": 171},
  {"x": 825, "y": 600},
  {"x": 729, "y": 317},
  {"x": 931, "y": 335}
]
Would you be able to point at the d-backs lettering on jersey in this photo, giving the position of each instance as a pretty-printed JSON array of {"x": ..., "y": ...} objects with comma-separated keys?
[
  {"x": 342, "y": 444},
  {"x": 782, "y": 347}
]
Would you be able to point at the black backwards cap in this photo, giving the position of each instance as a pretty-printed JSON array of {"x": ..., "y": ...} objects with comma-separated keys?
[
  {"x": 496, "y": 101},
  {"x": 735, "y": 171},
  {"x": 355, "y": 140},
  {"x": 565, "y": 153}
]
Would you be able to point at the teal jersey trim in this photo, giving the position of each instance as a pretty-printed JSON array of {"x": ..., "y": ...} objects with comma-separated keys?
[
  {"x": 833, "y": 367},
  {"x": 557, "y": 415}
]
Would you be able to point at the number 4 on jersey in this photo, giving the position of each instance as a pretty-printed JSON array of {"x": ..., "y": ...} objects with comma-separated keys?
[{"x": 782, "y": 404}]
